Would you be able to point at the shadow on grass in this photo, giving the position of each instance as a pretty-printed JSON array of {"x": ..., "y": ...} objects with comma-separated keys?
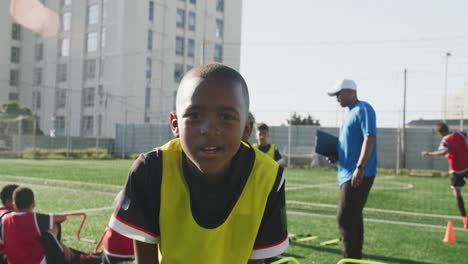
[{"x": 366, "y": 256}]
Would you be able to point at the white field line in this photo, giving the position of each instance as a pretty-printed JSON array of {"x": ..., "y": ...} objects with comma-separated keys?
[
  {"x": 375, "y": 220},
  {"x": 45, "y": 185},
  {"x": 90, "y": 210},
  {"x": 374, "y": 210},
  {"x": 47, "y": 180},
  {"x": 334, "y": 185}
]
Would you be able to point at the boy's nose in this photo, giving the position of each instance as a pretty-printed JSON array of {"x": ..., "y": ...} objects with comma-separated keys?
[{"x": 210, "y": 128}]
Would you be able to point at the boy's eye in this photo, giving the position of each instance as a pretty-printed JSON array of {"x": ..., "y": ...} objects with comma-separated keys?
[
  {"x": 228, "y": 117},
  {"x": 193, "y": 115}
]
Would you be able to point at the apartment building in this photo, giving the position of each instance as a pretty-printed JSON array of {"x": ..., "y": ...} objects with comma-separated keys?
[
  {"x": 113, "y": 61},
  {"x": 457, "y": 104}
]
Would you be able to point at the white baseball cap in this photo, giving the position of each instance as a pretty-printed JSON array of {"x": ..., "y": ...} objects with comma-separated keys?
[{"x": 343, "y": 84}]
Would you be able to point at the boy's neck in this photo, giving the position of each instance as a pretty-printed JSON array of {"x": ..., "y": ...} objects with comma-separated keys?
[{"x": 213, "y": 179}]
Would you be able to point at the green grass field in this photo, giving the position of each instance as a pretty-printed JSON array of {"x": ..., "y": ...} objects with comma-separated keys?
[{"x": 405, "y": 217}]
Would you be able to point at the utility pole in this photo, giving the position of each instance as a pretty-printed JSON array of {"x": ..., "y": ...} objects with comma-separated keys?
[
  {"x": 125, "y": 130},
  {"x": 447, "y": 55},
  {"x": 403, "y": 130}
]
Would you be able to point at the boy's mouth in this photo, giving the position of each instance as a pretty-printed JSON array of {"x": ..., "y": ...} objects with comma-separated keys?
[{"x": 210, "y": 152}]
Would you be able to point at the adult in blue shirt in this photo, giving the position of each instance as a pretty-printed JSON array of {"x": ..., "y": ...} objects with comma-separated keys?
[{"x": 357, "y": 157}]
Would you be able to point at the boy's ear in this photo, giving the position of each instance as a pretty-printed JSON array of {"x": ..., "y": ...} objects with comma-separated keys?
[
  {"x": 174, "y": 124},
  {"x": 15, "y": 208}
]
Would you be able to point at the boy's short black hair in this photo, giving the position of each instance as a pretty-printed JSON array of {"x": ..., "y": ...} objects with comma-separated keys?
[
  {"x": 263, "y": 126},
  {"x": 441, "y": 127},
  {"x": 7, "y": 192},
  {"x": 251, "y": 117},
  {"x": 23, "y": 197},
  {"x": 217, "y": 70}
]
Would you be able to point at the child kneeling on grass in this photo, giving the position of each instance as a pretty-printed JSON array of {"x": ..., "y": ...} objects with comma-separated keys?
[{"x": 33, "y": 238}]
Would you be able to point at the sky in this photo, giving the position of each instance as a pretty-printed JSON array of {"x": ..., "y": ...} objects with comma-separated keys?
[{"x": 292, "y": 52}]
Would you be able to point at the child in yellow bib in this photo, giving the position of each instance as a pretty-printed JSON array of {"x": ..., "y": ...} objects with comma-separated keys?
[
  {"x": 206, "y": 196},
  {"x": 263, "y": 144}
]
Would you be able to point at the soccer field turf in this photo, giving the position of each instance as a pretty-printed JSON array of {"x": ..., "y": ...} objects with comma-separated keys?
[{"x": 405, "y": 217}]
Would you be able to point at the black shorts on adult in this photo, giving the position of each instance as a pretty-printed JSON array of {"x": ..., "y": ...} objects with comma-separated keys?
[{"x": 458, "y": 179}]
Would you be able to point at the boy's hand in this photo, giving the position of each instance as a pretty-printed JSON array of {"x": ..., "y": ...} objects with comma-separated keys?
[
  {"x": 332, "y": 159},
  {"x": 425, "y": 153}
]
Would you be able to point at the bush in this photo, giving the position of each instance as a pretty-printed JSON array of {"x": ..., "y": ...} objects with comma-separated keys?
[{"x": 84, "y": 154}]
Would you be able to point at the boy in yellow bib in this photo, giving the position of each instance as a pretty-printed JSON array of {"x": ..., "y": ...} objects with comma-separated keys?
[
  {"x": 263, "y": 144},
  {"x": 205, "y": 197}
]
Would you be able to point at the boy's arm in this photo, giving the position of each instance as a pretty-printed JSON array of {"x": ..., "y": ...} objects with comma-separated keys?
[
  {"x": 58, "y": 218},
  {"x": 272, "y": 237},
  {"x": 136, "y": 215},
  {"x": 145, "y": 253},
  {"x": 443, "y": 149}
]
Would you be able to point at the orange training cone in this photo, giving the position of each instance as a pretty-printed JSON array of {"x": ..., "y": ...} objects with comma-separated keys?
[{"x": 449, "y": 234}]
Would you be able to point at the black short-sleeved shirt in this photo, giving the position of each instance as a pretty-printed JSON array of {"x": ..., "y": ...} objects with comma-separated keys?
[{"x": 138, "y": 214}]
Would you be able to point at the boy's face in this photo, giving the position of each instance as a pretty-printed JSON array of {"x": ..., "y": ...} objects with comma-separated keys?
[
  {"x": 210, "y": 120},
  {"x": 262, "y": 137}
]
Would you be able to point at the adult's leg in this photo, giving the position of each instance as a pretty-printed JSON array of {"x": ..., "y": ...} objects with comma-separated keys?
[
  {"x": 363, "y": 193},
  {"x": 349, "y": 218},
  {"x": 346, "y": 211}
]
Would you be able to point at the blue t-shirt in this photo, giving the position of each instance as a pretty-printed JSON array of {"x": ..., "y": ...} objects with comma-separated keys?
[{"x": 360, "y": 123}]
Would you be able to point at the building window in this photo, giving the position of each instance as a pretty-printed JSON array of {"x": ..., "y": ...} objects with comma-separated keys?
[
  {"x": 64, "y": 47},
  {"x": 220, "y": 5},
  {"x": 151, "y": 11},
  {"x": 189, "y": 67},
  {"x": 149, "y": 68},
  {"x": 178, "y": 72},
  {"x": 147, "y": 97},
  {"x": 60, "y": 125},
  {"x": 13, "y": 97},
  {"x": 101, "y": 95},
  {"x": 36, "y": 100},
  {"x": 104, "y": 10},
  {"x": 101, "y": 67},
  {"x": 149, "y": 45},
  {"x": 90, "y": 69},
  {"x": 219, "y": 28},
  {"x": 66, "y": 21},
  {"x": 60, "y": 98},
  {"x": 180, "y": 18},
  {"x": 15, "y": 55},
  {"x": 93, "y": 14},
  {"x": 218, "y": 53},
  {"x": 62, "y": 72},
  {"x": 99, "y": 125},
  {"x": 191, "y": 21},
  {"x": 14, "y": 77},
  {"x": 193, "y": 1},
  {"x": 66, "y": 2},
  {"x": 37, "y": 78},
  {"x": 179, "y": 46},
  {"x": 87, "y": 125},
  {"x": 92, "y": 41},
  {"x": 15, "y": 31},
  {"x": 103, "y": 37},
  {"x": 191, "y": 48},
  {"x": 88, "y": 97},
  {"x": 39, "y": 51}
]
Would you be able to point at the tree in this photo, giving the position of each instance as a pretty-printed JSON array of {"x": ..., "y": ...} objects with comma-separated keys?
[
  {"x": 11, "y": 114},
  {"x": 297, "y": 120}
]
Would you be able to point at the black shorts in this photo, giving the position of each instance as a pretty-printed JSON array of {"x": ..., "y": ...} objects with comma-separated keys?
[{"x": 458, "y": 179}]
